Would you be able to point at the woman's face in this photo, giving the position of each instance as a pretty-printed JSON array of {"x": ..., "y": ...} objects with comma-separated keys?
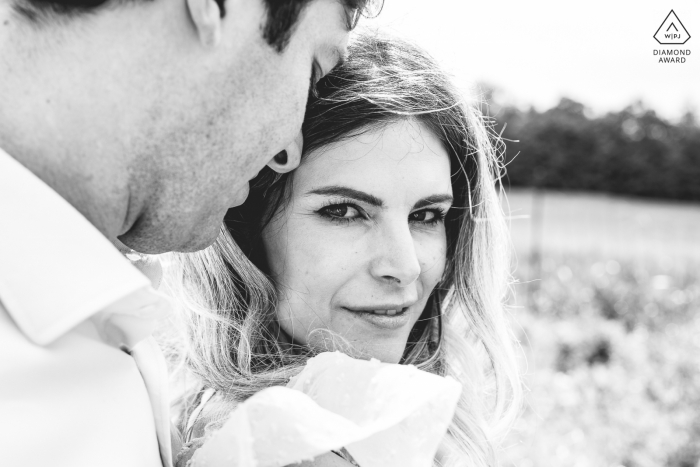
[{"x": 361, "y": 244}]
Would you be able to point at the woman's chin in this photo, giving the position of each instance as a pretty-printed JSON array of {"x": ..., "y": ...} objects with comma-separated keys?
[
  {"x": 388, "y": 358},
  {"x": 385, "y": 353}
]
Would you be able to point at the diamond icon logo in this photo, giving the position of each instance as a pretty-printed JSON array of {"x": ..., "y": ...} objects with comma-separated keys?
[{"x": 672, "y": 31}]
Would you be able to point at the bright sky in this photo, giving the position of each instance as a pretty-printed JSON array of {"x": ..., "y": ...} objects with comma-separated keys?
[{"x": 599, "y": 52}]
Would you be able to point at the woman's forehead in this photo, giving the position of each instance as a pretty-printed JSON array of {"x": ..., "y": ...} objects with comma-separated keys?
[{"x": 394, "y": 156}]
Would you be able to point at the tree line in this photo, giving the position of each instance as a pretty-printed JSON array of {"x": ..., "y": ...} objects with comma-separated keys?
[{"x": 631, "y": 152}]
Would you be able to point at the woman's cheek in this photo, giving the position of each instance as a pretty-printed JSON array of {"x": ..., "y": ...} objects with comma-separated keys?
[
  {"x": 433, "y": 258},
  {"x": 318, "y": 263}
]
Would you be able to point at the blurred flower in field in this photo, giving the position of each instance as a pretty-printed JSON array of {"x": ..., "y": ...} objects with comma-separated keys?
[{"x": 613, "y": 370}]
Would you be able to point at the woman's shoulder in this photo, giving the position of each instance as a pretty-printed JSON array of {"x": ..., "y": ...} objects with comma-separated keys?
[
  {"x": 210, "y": 411},
  {"x": 209, "y": 414}
]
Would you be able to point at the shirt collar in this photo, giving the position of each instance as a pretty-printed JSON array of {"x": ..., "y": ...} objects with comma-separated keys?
[{"x": 56, "y": 268}]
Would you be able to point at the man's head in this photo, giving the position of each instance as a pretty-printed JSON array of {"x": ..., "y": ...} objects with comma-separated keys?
[{"x": 191, "y": 98}]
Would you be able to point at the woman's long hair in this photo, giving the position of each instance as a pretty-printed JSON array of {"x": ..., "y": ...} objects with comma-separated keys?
[{"x": 232, "y": 337}]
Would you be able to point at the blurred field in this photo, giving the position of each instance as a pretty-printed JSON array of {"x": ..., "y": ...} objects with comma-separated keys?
[
  {"x": 604, "y": 225},
  {"x": 609, "y": 322}
]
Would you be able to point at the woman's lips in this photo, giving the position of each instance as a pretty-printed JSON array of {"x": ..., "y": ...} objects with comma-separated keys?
[
  {"x": 390, "y": 312},
  {"x": 391, "y": 318}
]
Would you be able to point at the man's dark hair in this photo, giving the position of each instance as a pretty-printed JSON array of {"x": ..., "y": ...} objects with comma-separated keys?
[{"x": 282, "y": 15}]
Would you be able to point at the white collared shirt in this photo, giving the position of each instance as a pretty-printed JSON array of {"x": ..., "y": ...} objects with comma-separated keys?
[{"x": 68, "y": 302}]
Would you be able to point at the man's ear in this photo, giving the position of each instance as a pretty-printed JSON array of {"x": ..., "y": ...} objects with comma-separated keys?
[{"x": 206, "y": 17}]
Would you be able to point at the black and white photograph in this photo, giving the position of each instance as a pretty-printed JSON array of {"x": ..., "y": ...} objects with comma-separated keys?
[{"x": 337, "y": 233}]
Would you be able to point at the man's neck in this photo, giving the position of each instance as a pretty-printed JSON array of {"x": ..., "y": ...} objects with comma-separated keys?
[
  {"x": 72, "y": 182},
  {"x": 31, "y": 132},
  {"x": 56, "y": 119}
]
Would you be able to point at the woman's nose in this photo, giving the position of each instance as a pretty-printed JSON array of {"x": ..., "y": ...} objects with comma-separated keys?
[
  {"x": 396, "y": 259},
  {"x": 289, "y": 158}
]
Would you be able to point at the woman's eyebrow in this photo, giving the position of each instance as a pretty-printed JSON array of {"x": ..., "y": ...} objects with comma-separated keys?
[
  {"x": 434, "y": 199},
  {"x": 346, "y": 192}
]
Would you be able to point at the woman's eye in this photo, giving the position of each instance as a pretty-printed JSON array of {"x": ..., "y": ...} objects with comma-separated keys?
[
  {"x": 422, "y": 216},
  {"x": 341, "y": 211},
  {"x": 428, "y": 216},
  {"x": 337, "y": 211}
]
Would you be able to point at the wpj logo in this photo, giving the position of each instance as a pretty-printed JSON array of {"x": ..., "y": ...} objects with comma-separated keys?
[{"x": 672, "y": 32}]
